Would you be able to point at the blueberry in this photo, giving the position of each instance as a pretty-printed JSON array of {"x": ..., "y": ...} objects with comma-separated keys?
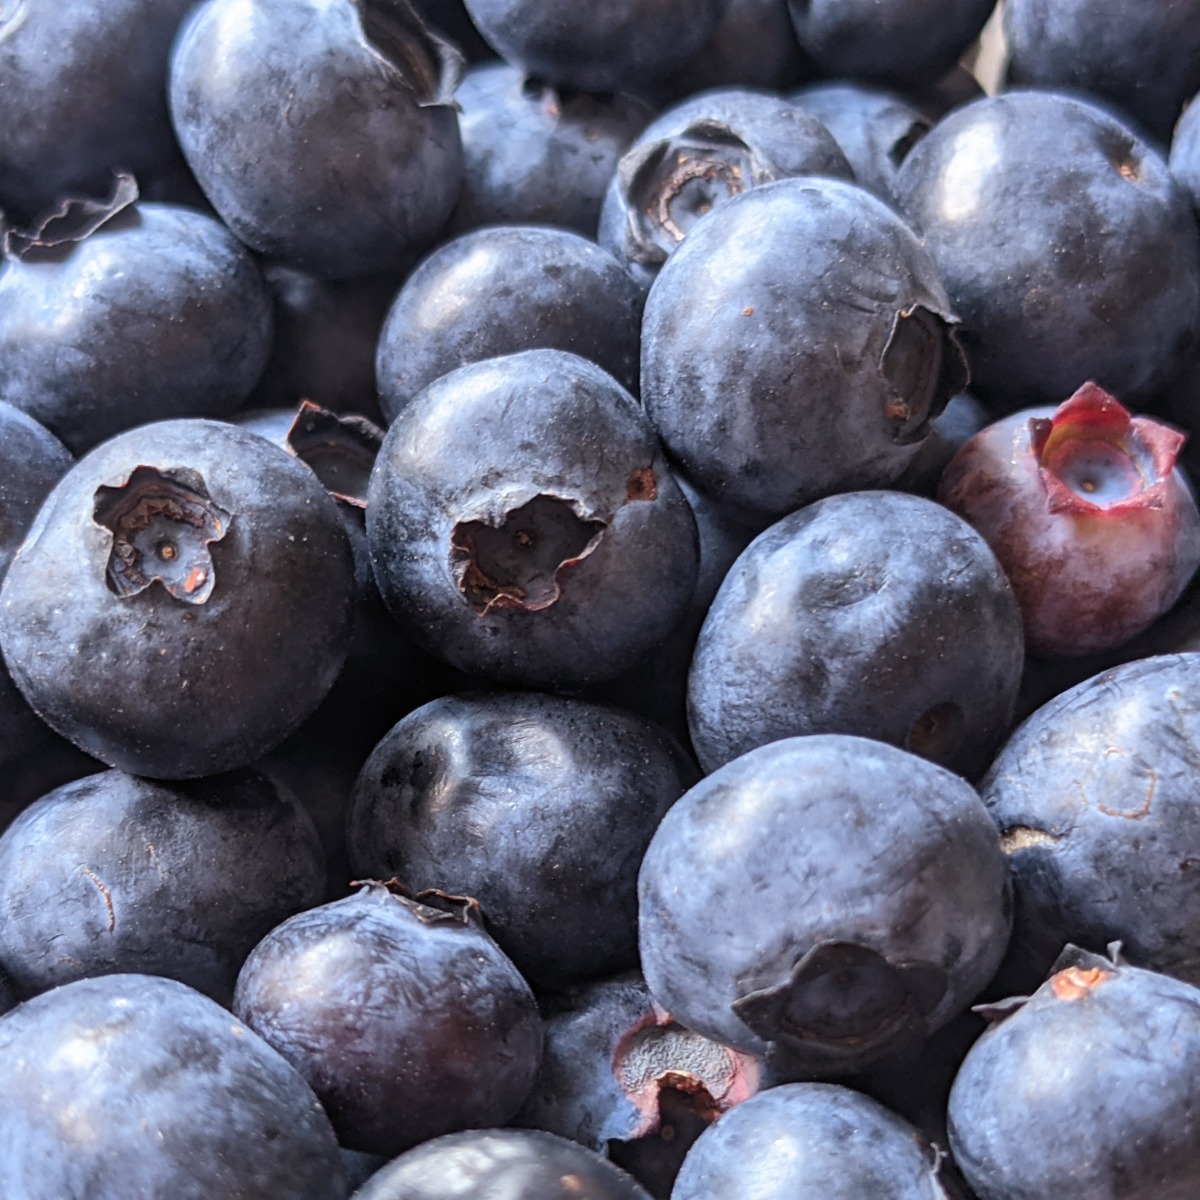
[
  {"x": 1066, "y": 248},
  {"x": 698, "y": 155},
  {"x": 1185, "y": 153},
  {"x": 182, "y": 602},
  {"x": 483, "y": 1163},
  {"x": 524, "y": 526},
  {"x": 600, "y": 45},
  {"x": 160, "y": 312},
  {"x": 827, "y": 899},
  {"x": 1092, "y": 521},
  {"x": 1086, "y": 1089},
  {"x": 815, "y": 1139},
  {"x": 116, "y": 875},
  {"x": 83, "y": 93},
  {"x": 961, "y": 419},
  {"x": 132, "y": 1085},
  {"x": 406, "y": 1019},
  {"x": 323, "y": 133},
  {"x": 1141, "y": 58},
  {"x": 534, "y": 154},
  {"x": 539, "y": 807},
  {"x": 797, "y": 343},
  {"x": 869, "y": 613},
  {"x": 502, "y": 290}
]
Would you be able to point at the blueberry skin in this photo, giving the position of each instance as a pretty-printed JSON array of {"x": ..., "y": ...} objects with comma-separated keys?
[
  {"x": 160, "y": 313},
  {"x": 32, "y": 460},
  {"x": 887, "y": 41},
  {"x": 116, "y": 875},
  {"x": 523, "y": 524},
  {"x": 796, "y": 344},
  {"x": 961, "y": 419},
  {"x": 534, "y": 154},
  {"x": 871, "y": 613},
  {"x": 323, "y": 133},
  {"x": 502, "y": 290},
  {"x": 496, "y": 1164},
  {"x": 537, "y": 806},
  {"x": 1094, "y": 801},
  {"x": 1087, "y": 1089},
  {"x": 696, "y": 156},
  {"x": 1141, "y": 58},
  {"x": 602, "y": 46},
  {"x": 132, "y": 1085},
  {"x": 407, "y": 1020},
  {"x": 180, "y": 684},
  {"x": 874, "y": 127},
  {"x": 1067, "y": 249},
  {"x": 816, "y": 1139},
  {"x": 1185, "y": 153},
  {"x": 828, "y": 900},
  {"x": 82, "y": 89}
]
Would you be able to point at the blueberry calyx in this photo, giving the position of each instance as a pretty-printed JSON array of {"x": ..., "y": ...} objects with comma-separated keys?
[
  {"x": 843, "y": 1001},
  {"x": 1094, "y": 457},
  {"x": 430, "y": 906},
  {"x": 522, "y": 560},
  {"x": 162, "y": 523},
  {"x": 339, "y": 449},
  {"x": 413, "y": 56},
  {"x": 71, "y": 220},
  {"x": 675, "y": 181},
  {"x": 925, "y": 365}
]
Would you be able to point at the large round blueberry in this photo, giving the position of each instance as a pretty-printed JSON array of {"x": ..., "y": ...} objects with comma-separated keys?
[
  {"x": 523, "y": 523},
  {"x": 539, "y": 807},
  {"x": 183, "y": 600},
  {"x": 322, "y": 131},
  {"x": 1090, "y": 1088},
  {"x": 114, "y": 874},
  {"x": 502, "y": 290},
  {"x": 132, "y": 1085},
  {"x": 811, "y": 1139},
  {"x": 873, "y": 613},
  {"x": 407, "y": 1020},
  {"x": 158, "y": 313},
  {"x": 609, "y": 46},
  {"x": 827, "y": 899},
  {"x": 1068, "y": 251},
  {"x": 797, "y": 343}
]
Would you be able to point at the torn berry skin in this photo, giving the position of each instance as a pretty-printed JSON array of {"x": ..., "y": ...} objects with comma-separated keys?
[{"x": 1096, "y": 527}]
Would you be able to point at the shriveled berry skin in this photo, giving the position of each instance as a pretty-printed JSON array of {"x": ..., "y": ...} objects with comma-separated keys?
[
  {"x": 1095, "y": 526},
  {"x": 537, "y": 806},
  {"x": 159, "y": 313},
  {"x": 871, "y": 613},
  {"x": 529, "y": 288},
  {"x": 116, "y": 875},
  {"x": 607, "y": 46},
  {"x": 797, "y": 343},
  {"x": 896, "y": 41},
  {"x": 1067, "y": 249},
  {"x": 82, "y": 90},
  {"x": 495, "y": 1164},
  {"x": 828, "y": 900},
  {"x": 620, "y": 1076},
  {"x": 183, "y": 601},
  {"x": 696, "y": 156},
  {"x": 1095, "y": 803},
  {"x": 131, "y": 1085},
  {"x": 816, "y": 1139},
  {"x": 1142, "y": 58},
  {"x": 1089, "y": 1088},
  {"x": 537, "y": 155},
  {"x": 523, "y": 524},
  {"x": 407, "y": 1020},
  {"x": 324, "y": 134}
]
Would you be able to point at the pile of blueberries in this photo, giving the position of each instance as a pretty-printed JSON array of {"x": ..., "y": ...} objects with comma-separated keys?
[{"x": 599, "y": 600}]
